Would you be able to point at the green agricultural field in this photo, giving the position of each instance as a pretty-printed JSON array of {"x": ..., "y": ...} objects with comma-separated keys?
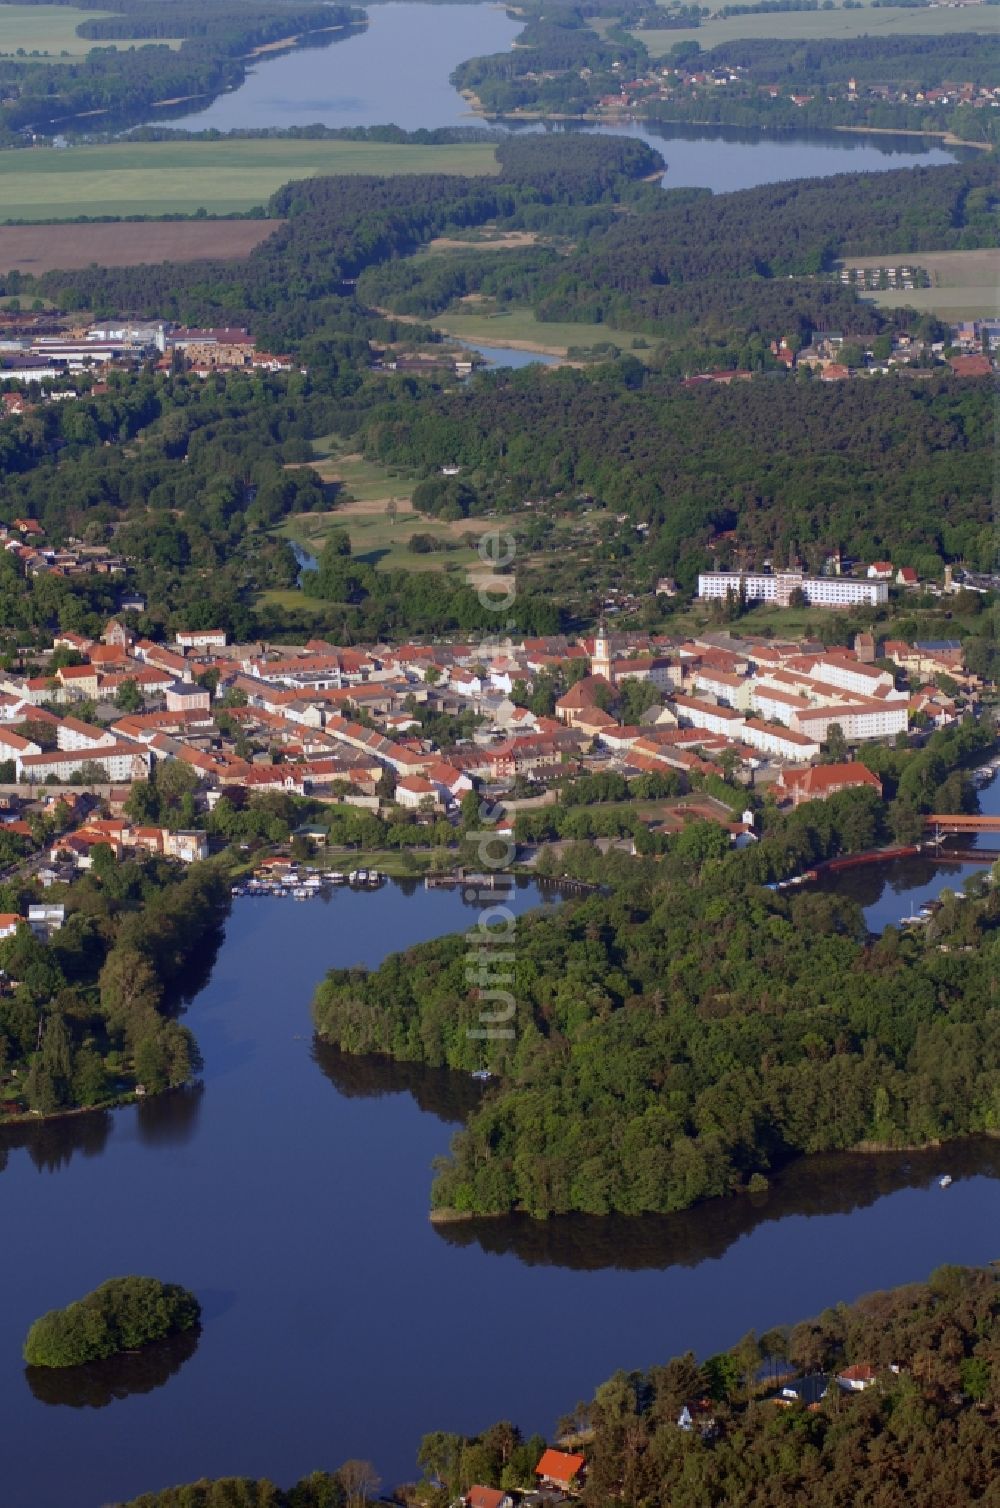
[
  {"x": 809, "y": 25},
  {"x": 51, "y": 30},
  {"x": 222, "y": 177}
]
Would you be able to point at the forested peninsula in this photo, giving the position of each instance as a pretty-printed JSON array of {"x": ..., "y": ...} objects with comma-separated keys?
[
  {"x": 91, "y": 1014},
  {"x": 678, "y": 1038},
  {"x": 906, "y": 1389}
]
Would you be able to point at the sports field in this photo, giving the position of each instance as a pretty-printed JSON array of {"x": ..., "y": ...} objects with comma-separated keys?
[
  {"x": 964, "y": 284},
  {"x": 51, "y": 29},
  {"x": 223, "y": 177},
  {"x": 811, "y": 25}
]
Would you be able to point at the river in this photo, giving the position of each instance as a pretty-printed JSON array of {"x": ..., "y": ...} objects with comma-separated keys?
[
  {"x": 290, "y": 1192},
  {"x": 889, "y": 892},
  {"x": 397, "y": 71}
]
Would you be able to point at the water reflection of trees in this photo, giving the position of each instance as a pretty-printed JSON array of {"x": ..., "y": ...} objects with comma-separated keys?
[
  {"x": 51, "y": 1144},
  {"x": 99, "y": 1383},
  {"x": 450, "y": 1096},
  {"x": 828, "y": 1185},
  {"x": 168, "y": 1119},
  {"x": 868, "y": 883}
]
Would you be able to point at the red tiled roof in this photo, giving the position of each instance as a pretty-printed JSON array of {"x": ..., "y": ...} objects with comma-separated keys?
[{"x": 560, "y": 1466}]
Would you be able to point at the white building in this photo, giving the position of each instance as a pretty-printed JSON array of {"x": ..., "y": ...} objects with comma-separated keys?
[
  {"x": 73, "y": 735},
  {"x": 782, "y": 743},
  {"x": 851, "y": 675},
  {"x": 117, "y": 761},
  {"x": 858, "y": 721},
  {"x": 820, "y": 591},
  {"x": 699, "y": 714}
]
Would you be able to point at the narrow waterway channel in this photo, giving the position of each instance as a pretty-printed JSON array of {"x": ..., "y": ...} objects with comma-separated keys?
[{"x": 291, "y": 1193}]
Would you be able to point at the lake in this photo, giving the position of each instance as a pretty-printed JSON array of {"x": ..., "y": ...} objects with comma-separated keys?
[
  {"x": 397, "y": 71},
  {"x": 291, "y": 1193}
]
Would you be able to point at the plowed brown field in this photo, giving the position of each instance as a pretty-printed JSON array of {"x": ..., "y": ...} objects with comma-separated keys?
[{"x": 40, "y": 248}]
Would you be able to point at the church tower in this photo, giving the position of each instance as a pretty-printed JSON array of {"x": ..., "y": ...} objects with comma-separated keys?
[{"x": 600, "y": 660}]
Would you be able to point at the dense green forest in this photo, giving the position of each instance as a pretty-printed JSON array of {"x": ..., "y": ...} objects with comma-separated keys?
[
  {"x": 774, "y": 461},
  {"x": 346, "y": 1488},
  {"x": 712, "y": 270},
  {"x": 123, "y": 1314},
  {"x": 92, "y": 1012},
  {"x": 118, "y": 83},
  {"x": 679, "y": 1037}
]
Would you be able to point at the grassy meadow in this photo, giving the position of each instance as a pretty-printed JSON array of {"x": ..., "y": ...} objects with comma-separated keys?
[
  {"x": 519, "y": 328},
  {"x": 810, "y": 26},
  {"x": 51, "y": 30},
  {"x": 380, "y": 533},
  {"x": 222, "y": 177}
]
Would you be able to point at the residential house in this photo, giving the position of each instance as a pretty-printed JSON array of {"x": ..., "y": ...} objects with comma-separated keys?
[
  {"x": 488, "y": 1497},
  {"x": 560, "y": 1468},
  {"x": 857, "y": 1377}
]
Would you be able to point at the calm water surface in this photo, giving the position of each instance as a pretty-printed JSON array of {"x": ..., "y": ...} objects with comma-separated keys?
[
  {"x": 397, "y": 71},
  {"x": 291, "y": 1194},
  {"x": 889, "y": 892}
]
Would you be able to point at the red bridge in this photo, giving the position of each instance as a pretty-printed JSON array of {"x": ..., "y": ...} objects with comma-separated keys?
[{"x": 952, "y": 822}]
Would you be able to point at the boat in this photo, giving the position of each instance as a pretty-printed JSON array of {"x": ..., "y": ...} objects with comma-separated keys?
[
  {"x": 336, "y": 878},
  {"x": 358, "y": 877},
  {"x": 374, "y": 879},
  {"x": 945, "y": 1182}
]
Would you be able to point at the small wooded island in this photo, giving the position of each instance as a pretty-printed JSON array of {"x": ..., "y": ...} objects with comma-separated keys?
[{"x": 123, "y": 1314}]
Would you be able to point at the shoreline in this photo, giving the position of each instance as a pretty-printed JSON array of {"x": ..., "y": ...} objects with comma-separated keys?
[{"x": 625, "y": 117}]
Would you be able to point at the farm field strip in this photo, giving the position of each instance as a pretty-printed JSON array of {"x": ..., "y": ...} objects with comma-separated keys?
[
  {"x": 51, "y": 30},
  {"x": 221, "y": 177},
  {"x": 809, "y": 26},
  {"x": 40, "y": 248}
]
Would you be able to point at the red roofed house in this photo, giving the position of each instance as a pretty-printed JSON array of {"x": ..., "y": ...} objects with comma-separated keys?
[
  {"x": 9, "y": 923},
  {"x": 907, "y": 576},
  {"x": 558, "y": 1468},
  {"x": 414, "y": 791},
  {"x": 856, "y": 1378},
  {"x": 971, "y": 366},
  {"x": 488, "y": 1497},
  {"x": 823, "y": 780},
  {"x": 880, "y": 570}
]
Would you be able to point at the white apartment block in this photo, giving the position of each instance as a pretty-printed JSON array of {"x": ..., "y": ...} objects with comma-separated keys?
[
  {"x": 699, "y": 714},
  {"x": 851, "y": 675},
  {"x": 118, "y": 762},
  {"x": 778, "y": 706},
  {"x": 784, "y": 743},
  {"x": 734, "y": 689},
  {"x": 858, "y": 721},
  {"x": 820, "y": 591},
  {"x": 73, "y": 735}
]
